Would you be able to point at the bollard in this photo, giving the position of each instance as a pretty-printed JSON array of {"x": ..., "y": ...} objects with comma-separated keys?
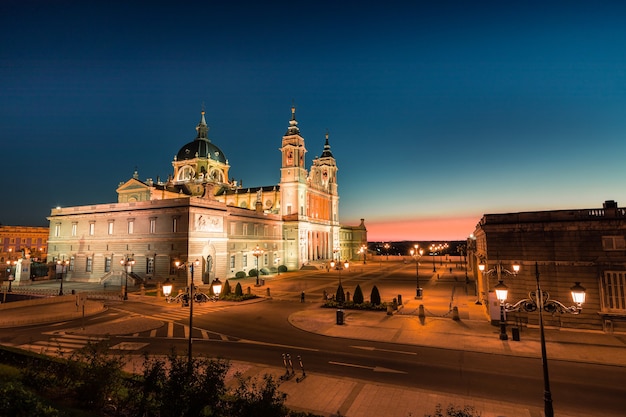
[
  {"x": 455, "y": 313},
  {"x": 399, "y": 299},
  {"x": 248, "y": 290},
  {"x": 389, "y": 309},
  {"x": 348, "y": 296},
  {"x": 421, "y": 312},
  {"x": 268, "y": 292},
  {"x": 302, "y": 368}
]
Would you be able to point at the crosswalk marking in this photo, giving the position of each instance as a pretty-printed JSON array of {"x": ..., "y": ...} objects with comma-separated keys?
[{"x": 61, "y": 344}]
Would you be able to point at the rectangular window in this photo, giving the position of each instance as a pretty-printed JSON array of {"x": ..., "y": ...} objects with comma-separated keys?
[
  {"x": 175, "y": 225},
  {"x": 245, "y": 229},
  {"x": 150, "y": 266},
  {"x": 256, "y": 230},
  {"x": 233, "y": 228},
  {"x": 110, "y": 229},
  {"x": 71, "y": 267},
  {"x": 57, "y": 230},
  {"x": 92, "y": 228},
  {"x": 131, "y": 227},
  {"x": 614, "y": 292},
  {"x": 74, "y": 228},
  {"x": 245, "y": 260},
  {"x": 265, "y": 257},
  {"x": 289, "y": 209},
  {"x": 613, "y": 243},
  {"x": 107, "y": 264},
  {"x": 232, "y": 261},
  {"x": 152, "y": 226},
  {"x": 89, "y": 265}
]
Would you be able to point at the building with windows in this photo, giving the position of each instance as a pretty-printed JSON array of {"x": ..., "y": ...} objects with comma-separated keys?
[
  {"x": 21, "y": 242},
  {"x": 567, "y": 246},
  {"x": 200, "y": 213}
]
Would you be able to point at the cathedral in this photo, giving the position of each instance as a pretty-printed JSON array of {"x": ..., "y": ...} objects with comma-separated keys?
[{"x": 201, "y": 214}]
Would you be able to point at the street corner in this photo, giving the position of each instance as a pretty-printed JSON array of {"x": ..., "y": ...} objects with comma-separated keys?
[{"x": 313, "y": 320}]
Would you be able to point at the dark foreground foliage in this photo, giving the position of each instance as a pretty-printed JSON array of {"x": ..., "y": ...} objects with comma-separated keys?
[{"x": 93, "y": 383}]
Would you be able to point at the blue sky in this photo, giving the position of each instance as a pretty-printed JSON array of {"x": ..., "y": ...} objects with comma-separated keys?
[{"x": 438, "y": 112}]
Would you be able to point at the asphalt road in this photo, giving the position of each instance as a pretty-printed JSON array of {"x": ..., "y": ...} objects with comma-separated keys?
[{"x": 261, "y": 333}]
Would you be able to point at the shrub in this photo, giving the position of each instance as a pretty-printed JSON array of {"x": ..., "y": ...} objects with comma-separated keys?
[
  {"x": 252, "y": 273},
  {"x": 265, "y": 271},
  {"x": 240, "y": 274},
  {"x": 358, "y": 295},
  {"x": 375, "y": 296},
  {"x": 282, "y": 268},
  {"x": 226, "y": 289},
  {"x": 341, "y": 295},
  {"x": 238, "y": 290},
  {"x": 453, "y": 411}
]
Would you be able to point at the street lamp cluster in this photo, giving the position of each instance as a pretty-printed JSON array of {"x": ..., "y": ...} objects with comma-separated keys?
[
  {"x": 363, "y": 251},
  {"x": 417, "y": 253},
  {"x": 437, "y": 249},
  {"x": 539, "y": 301}
]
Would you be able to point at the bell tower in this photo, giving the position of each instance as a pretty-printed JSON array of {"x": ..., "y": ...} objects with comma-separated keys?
[{"x": 293, "y": 174}]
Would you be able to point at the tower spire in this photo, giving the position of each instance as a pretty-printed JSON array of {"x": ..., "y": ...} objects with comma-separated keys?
[
  {"x": 202, "y": 128},
  {"x": 293, "y": 123},
  {"x": 327, "y": 153}
]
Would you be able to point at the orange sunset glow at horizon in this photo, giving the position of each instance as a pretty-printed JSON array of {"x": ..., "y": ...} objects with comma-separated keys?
[{"x": 452, "y": 228}]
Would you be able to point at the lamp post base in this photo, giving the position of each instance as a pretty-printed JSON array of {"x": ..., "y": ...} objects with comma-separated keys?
[{"x": 419, "y": 293}]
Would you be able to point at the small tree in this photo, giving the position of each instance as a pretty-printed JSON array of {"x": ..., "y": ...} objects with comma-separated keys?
[
  {"x": 358, "y": 295},
  {"x": 226, "y": 289},
  {"x": 375, "y": 296},
  {"x": 340, "y": 296},
  {"x": 238, "y": 290}
]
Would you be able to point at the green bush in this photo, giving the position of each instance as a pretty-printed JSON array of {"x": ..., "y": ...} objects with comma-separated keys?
[
  {"x": 358, "y": 295},
  {"x": 340, "y": 296},
  {"x": 282, "y": 268},
  {"x": 265, "y": 271},
  {"x": 375, "y": 296},
  {"x": 238, "y": 290},
  {"x": 240, "y": 274},
  {"x": 253, "y": 272},
  {"x": 233, "y": 297},
  {"x": 225, "y": 289}
]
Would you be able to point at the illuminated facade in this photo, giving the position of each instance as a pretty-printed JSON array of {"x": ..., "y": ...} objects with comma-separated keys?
[
  {"x": 199, "y": 213},
  {"x": 568, "y": 246}
]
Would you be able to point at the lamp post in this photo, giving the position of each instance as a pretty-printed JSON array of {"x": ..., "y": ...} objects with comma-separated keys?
[
  {"x": 191, "y": 265},
  {"x": 417, "y": 254},
  {"x": 387, "y": 250},
  {"x": 61, "y": 268},
  {"x": 432, "y": 249},
  {"x": 500, "y": 290},
  {"x": 257, "y": 252},
  {"x": 540, "y": 301},
  {"x": 10, "y": 276},
  {"x": 363, "y": 250},
  {"x": 127, "y": 264}
]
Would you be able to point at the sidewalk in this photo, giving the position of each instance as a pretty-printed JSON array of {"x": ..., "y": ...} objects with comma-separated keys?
[{"x": 329, "y": 395}]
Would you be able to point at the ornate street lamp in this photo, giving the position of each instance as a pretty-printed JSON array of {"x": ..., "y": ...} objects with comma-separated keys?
[
  {"x": 11, "y": 277},
  {"x": 216, "y": 285},
  {"x": 191, "y": 266},
  {"x": 500, "y": 289},
  {"x": 540, "y": 301},
  {"x": 167, "y": 290},
  {"x": 256, "y": 253},
  {"x": 61, "y": 269},
  {"x": 387, "y": 250},
  {"x": 417, "y": 253},
  {"x": 363, "y": 250},
  {"x": 128, "y": 268}
]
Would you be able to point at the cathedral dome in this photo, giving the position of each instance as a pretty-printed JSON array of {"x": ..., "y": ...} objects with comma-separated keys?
[{"x": 201, "y": 147}]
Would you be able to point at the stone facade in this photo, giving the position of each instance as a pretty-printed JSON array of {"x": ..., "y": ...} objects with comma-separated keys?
[
  {"x": 567, "y": 246},
  {"x": 199, "y": 213}
]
